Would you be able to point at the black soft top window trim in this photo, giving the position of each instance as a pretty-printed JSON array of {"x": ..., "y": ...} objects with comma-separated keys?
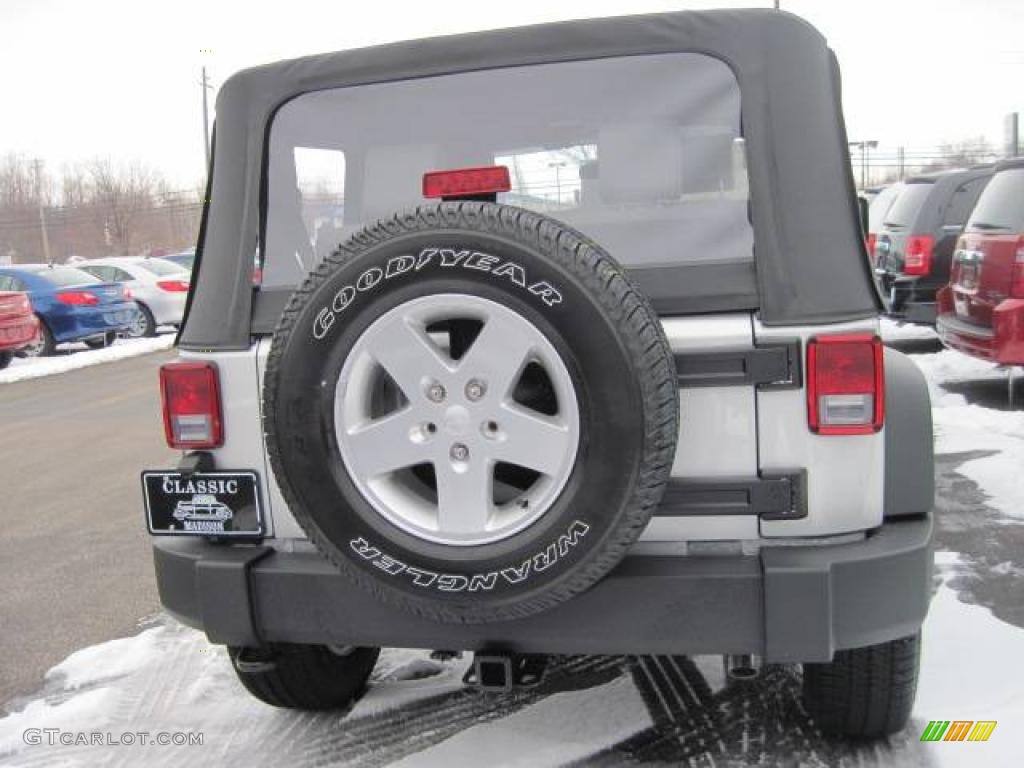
[{"x": 811, "y": 266}]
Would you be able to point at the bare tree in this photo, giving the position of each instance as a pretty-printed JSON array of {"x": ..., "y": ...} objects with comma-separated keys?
[{"x": 119, "y": 196}]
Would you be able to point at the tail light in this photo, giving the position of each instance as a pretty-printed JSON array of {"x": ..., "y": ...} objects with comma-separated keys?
[
  {"x": 174, "y": 286},
  {"x": 257, "y": 276},
  {"x": 77, "y": 298},
  {"x": 845, "y": 385},
  {"x": 467, "y": 182},
  {"x": 872, "y": 237},
  {"x": 1017, "y": 283},
  {"x": 191, "y": 400},
  {"x": 917, "y": 255},
  {"x": 127, "y": 292}
]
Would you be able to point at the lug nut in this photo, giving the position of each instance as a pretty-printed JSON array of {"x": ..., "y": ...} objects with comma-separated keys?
[
  {"x": 475, "y": 389},
  {"x": 459, "y": 452},
  {"x": 436, "y": 393}
]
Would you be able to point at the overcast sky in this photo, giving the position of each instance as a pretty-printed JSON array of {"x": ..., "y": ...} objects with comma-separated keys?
[{"x": 121, "y": 78}]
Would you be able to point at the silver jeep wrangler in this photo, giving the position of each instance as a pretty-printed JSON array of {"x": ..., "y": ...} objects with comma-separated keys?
[{"x": 550, "y": 340}]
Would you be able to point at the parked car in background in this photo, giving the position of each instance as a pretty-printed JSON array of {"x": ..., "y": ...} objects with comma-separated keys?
[
  {"x": 72, "y": 305},
  {"x": 981, "y": 311},
  {"x": 185, "y": 259},
  {"x": 158, "y": 286},
  {"x": 878, "y": 207},
  {"x": 19, "y": 327},
  {"x": 914, "y": 247}
]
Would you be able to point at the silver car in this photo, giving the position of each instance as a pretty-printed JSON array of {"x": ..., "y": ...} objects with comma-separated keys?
[{"x": 159, "y": 288}]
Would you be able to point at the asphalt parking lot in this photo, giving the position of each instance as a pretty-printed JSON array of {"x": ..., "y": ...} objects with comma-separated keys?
[{"x": 74, "y": 553}]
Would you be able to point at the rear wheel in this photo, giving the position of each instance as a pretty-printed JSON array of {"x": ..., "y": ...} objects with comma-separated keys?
[
  {"x": 864, "y": 692},
  {"x": 43, "y": 346},
  {"x": 143, "y": 324},
  {"x": 304, "y": 676}
]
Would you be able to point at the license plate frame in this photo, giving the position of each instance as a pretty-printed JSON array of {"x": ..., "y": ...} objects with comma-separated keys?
[{"x": 212, "y": 504}]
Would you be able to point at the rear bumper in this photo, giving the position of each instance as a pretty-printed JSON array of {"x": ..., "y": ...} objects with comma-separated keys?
[
  {"x": 17, "y": 333},
  {"x": 1002, "y": 343},
  {"x": 797, "y": 603},
  {"x": 910, "y": 299},
  {"x": 81, "y": 323}
]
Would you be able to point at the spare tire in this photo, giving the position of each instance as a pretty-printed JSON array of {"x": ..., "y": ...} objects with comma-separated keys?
[{"x": 471, "y": 411}]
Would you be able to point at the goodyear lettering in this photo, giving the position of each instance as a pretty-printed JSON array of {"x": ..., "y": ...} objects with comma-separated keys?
[{"x": 447, "y": 258}]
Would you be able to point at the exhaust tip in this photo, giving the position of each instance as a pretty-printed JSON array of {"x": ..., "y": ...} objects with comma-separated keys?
[{"x": 742, "y": 668}]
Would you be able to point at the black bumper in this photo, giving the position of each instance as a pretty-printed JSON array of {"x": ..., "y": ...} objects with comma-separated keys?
[{"x": 797, "y": 603}]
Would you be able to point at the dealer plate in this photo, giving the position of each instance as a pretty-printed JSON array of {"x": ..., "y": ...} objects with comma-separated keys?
[{"x": 202, "y": 504}]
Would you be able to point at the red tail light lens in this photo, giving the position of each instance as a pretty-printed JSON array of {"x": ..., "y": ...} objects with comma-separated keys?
[
  {"x": 872, "y": 237},
  {"x": 917, "y": 256},
  {"x": 126, "y": 292},
  {"x": 174, "y": 286},
  {"x": 464, "y": 182},
  {"x": 191, "y": 400},
  {"x": 845, "y": 385},
  {"x": 77, "y": 298},
  {"x": 1017, "y": 283}
]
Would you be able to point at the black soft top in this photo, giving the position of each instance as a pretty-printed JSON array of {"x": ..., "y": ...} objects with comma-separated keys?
[{"x": 810, "y": 265}]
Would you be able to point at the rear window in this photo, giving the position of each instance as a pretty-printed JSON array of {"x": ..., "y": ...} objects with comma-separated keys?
[
  {"x": 61, "y": 277},
  {"x": 880, "y": 206},
  {"x": 908, "y": 203},
  {"x": 643, "y": 154},
  {"x": 161, "y": 267},
  {"x": 1001, "y": 205}
]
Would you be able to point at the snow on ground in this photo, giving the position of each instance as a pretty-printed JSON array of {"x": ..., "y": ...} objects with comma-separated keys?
[
  {"x": 961, "y": 426},
  {"x": 72, "y": 356},
  {"x": 893, "y": 331}
]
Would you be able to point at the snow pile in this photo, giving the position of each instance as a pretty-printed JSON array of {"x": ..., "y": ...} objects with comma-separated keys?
[
  {"x": 31, "y": 368},
  {"x": 893, "y": 331},
  {"x": 961, "y": 427}
]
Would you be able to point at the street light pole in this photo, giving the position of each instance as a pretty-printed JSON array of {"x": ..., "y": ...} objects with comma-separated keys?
[
  {"x": 558, "y": 178},
  {"x": 205, "y": 83},
  {"x": 42, "y": 213}
]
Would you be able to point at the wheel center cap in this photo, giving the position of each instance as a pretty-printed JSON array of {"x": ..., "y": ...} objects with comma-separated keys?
[{"x": 456, "y": 421}]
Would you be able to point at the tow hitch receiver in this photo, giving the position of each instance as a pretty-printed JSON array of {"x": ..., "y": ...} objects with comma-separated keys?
[{"x": 502, "y": 671}]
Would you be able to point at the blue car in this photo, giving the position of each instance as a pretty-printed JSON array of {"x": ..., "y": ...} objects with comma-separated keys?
[{"x": 72, "y": 305}]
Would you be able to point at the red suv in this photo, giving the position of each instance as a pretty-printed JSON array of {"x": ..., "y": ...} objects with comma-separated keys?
[
  {"x": 981, "y": 311},
  {"x": 18, "y": 326}
]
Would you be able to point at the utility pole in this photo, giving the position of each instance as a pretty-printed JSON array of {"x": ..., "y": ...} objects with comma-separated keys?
[
  {"x": 38, "y": 164},
  {"x": 776, "y": 5},
  {"x": 901, "y": 160},
  {"x": 205, "y": 83}
]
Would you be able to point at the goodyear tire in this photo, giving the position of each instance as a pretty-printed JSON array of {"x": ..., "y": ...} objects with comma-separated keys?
[{"x": 471, "y": 411}]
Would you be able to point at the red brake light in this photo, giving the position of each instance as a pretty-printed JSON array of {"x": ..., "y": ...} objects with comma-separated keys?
[
  {"x": 77, "y": 298},
  {"x": 191, "y": 401},
  {"x": 1017, "y": 283},
  {"x": 127, "y": 292},
  {"x": 465, "y": 182},
  {"x": 845, "y": 385},
  {"x": 917, "y": 256},
  {"x": 174, "y": 286},
  {"x": 872, "y": 237}
]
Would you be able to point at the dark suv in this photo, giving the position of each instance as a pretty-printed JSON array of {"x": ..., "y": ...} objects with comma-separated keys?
[
  {"x": 565, "y": 342},
  {"x": 913, "y": 250}
]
